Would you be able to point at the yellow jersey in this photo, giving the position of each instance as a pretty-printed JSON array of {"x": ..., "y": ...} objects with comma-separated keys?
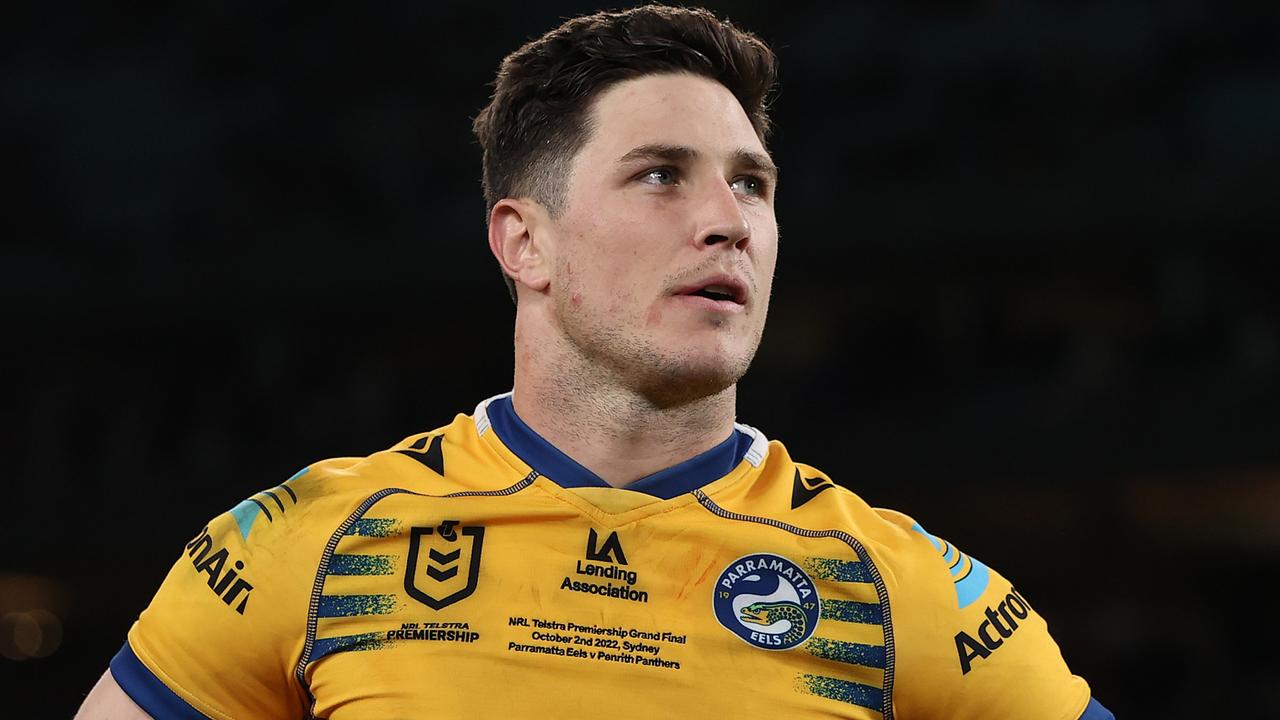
[{"x": 477, "y": 571}]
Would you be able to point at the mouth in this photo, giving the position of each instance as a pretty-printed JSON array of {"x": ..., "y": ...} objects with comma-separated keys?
[{"x": 725, "y": 291}]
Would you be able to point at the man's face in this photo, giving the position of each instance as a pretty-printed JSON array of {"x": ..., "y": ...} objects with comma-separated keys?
[{"x": 664, "y": 253}]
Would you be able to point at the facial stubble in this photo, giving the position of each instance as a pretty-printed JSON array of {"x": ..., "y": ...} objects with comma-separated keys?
[{"x": 618, "y": 354}]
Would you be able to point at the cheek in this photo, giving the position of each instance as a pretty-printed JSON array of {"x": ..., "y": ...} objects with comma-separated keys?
[
  {"x": 607, "y": 268},
  {"x": 575, "y": 295},
  {"x": 590, "y": 279},
  {"x": 654, "y": 316},
  {"x": 766, "y": 255}
]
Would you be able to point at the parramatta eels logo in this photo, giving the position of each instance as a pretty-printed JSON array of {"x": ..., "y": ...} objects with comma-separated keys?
[{"x": 768, "y": 601}]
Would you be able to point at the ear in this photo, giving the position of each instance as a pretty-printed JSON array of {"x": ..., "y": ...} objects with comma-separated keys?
[{"x": 516, "y": 242}]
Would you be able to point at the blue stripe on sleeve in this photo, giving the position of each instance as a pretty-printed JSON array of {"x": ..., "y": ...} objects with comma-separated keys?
[
  {"x": 145, "y": 689},
  {"x": 1095, "y": 711}
]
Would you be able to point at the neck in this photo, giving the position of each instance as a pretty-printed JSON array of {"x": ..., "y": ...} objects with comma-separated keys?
[{"x": 611, "y": 429}]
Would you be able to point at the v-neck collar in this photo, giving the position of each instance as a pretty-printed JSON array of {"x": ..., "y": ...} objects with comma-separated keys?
[{"x": 555, "y": 465}]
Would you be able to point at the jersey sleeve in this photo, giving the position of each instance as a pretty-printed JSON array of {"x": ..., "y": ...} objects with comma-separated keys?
[
  {"x": 222, "y": 635},
  {"x": 969, "y": 644}
]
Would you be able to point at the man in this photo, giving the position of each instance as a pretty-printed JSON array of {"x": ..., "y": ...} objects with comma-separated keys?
[{"x": 604, "y": 540}]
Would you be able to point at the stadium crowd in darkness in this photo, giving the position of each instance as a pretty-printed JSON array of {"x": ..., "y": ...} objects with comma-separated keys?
[{"x": 1026, "y": 272}]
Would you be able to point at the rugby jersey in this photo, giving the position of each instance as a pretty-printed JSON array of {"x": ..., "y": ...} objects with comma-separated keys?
[{"x": 476, "y": 570}]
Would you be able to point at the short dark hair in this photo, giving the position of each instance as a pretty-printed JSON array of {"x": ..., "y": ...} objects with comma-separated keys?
[{"x": 538, "y": 117}]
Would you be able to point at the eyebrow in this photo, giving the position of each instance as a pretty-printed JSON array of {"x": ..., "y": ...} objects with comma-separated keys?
[{"x": 749, "y": 159}]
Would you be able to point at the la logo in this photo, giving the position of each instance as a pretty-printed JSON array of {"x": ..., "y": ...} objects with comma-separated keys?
[{"x": 610, "y": 552}]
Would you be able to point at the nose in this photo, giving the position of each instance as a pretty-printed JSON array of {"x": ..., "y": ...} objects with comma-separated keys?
[{"x": 722, "y": 220}]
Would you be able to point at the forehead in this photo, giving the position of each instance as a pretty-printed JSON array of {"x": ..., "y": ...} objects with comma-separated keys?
[{"x": 671, "y": 109}]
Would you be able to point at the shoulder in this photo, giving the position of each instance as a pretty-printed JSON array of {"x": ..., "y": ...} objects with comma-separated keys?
[
  {"x": 962, "y": 633},
  {"x": 237, "y": 596},
  {"x": 801, "y": 495},
  {"x": 928, "y": 575},
  {"x": 797, "y": 494},
  {"x": 281, "y": 523},
  {"x": 448, "y": 459},
  {"x": 304, "y": 510}
]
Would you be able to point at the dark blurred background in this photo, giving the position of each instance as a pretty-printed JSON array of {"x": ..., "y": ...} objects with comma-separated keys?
[{"x": 1025, "y": 294}]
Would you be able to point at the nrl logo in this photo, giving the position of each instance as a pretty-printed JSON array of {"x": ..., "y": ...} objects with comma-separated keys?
[{"x": 444, "y": 563}]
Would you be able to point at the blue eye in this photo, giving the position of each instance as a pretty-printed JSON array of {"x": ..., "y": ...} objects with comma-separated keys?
[
  {"x": 753, "y": 186},
  {"x": 660, "y": 176}
]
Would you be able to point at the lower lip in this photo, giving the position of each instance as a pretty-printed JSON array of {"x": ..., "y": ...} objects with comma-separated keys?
[{"x": 699, "y": 302}]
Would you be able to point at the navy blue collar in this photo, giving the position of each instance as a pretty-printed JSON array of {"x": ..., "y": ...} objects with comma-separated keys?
[{"x": 553, "y": 464}]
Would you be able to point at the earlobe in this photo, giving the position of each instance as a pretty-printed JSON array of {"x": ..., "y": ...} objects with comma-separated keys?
[{"x": 515, "y": 241}]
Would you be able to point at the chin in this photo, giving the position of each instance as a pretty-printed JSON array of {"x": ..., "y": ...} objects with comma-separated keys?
[{"x": 676, "y": 380}]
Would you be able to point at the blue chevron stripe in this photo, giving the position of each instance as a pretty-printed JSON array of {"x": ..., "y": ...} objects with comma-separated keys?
[
  {"x": 348, "y": 643},
  {"x": 847, "y": 652},
  {"x": 349, "y": 605},
  {"x": 971, "y": 576},
  {"x": 852, "y": 612},
  {"x": 837, "y": 570},
  {"x": 362, "y": 565},
  {"x": 245, "y": 513},
  {"x": 375, "y": 527},
  {"x": 842, "y": 690}
]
